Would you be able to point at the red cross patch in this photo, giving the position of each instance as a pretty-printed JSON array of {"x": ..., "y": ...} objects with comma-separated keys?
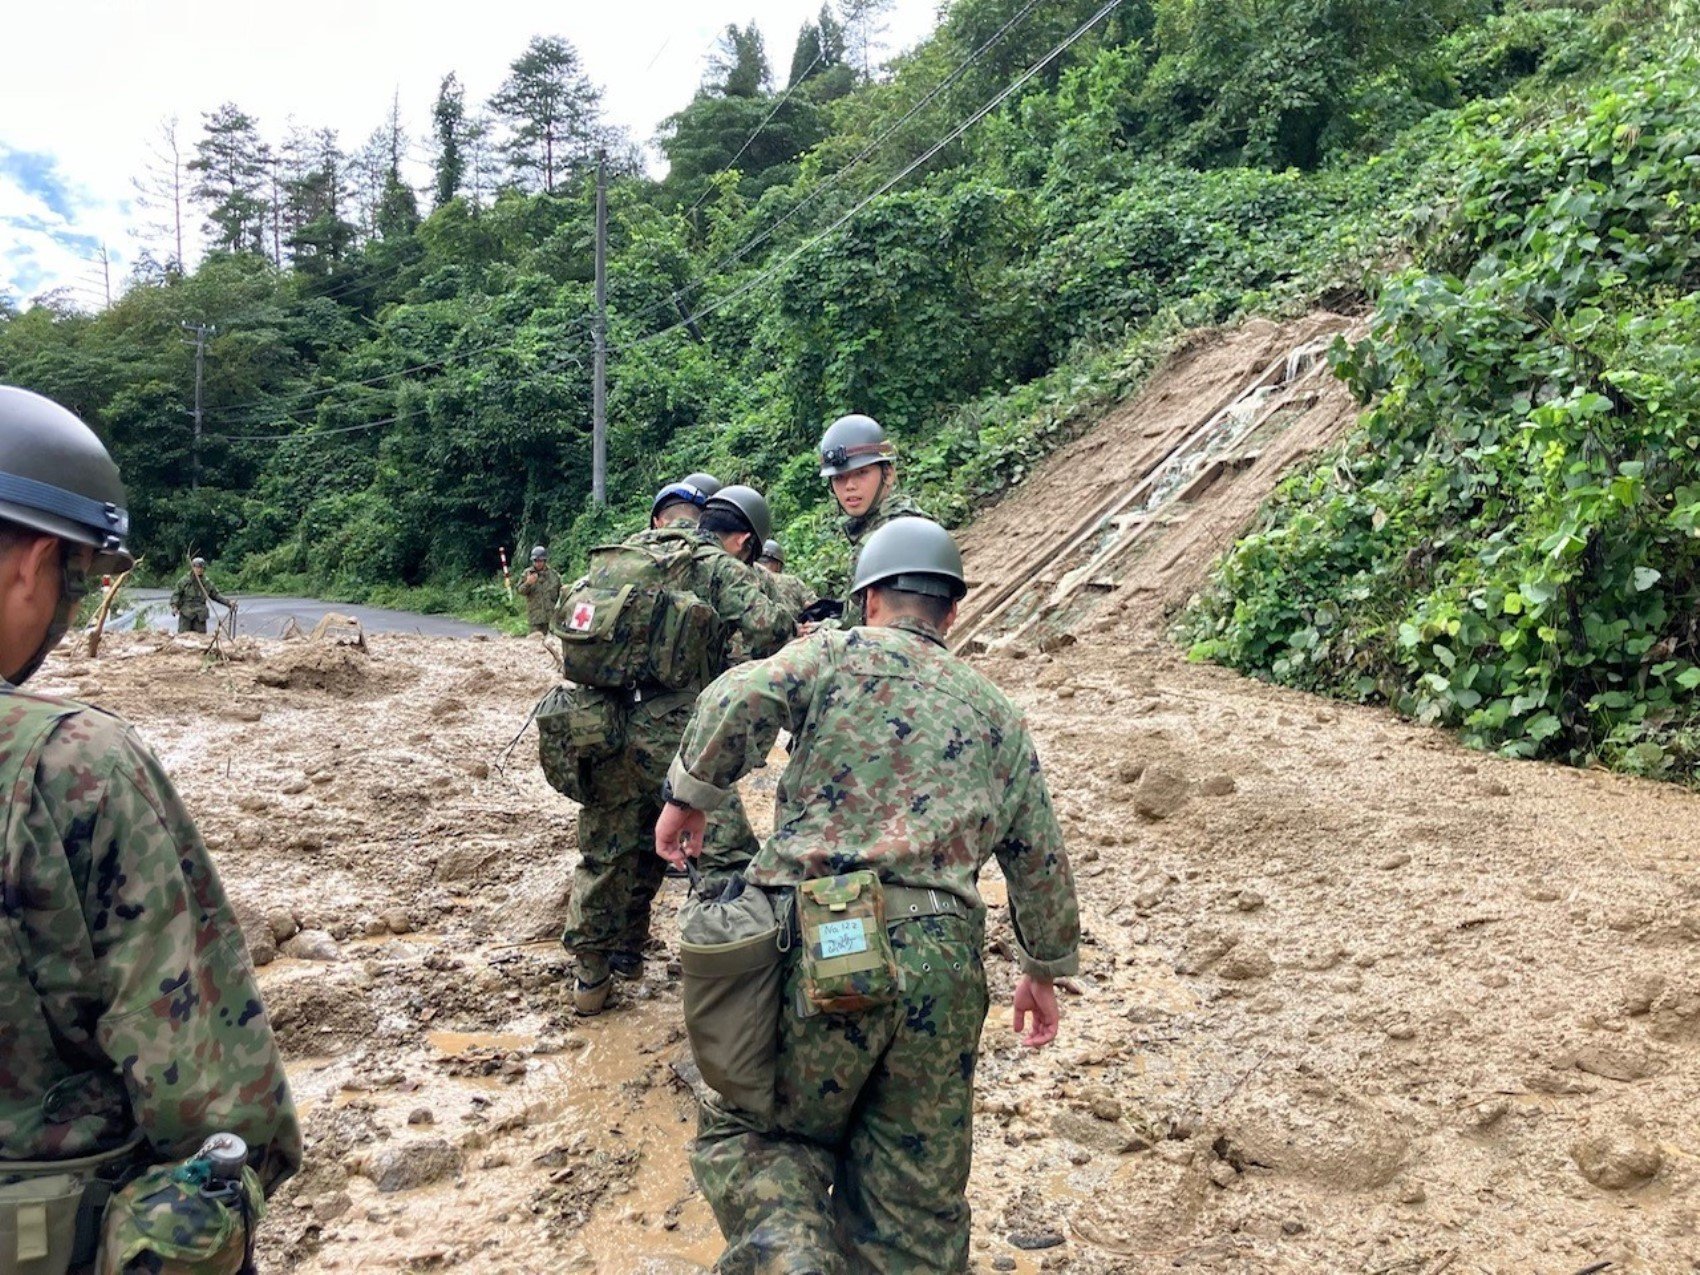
[{"x": 584, "y": 615}]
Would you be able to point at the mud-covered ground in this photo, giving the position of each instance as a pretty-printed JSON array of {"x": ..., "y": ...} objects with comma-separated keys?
[{"x": 1355, "y": 998}]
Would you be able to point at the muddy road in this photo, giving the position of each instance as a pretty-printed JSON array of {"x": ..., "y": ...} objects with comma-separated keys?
[
  {"x": 1354, "y": 998},
  {"x": 261, "y": 615}
]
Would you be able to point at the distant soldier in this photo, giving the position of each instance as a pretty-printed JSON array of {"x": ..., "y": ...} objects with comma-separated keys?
[
  {"x": 790, "y": 590},
  {"x": 131, "y": 1027},
  {"x": 709, "y": 563},
  {"x": 189, "y": 600},
  {"x": 540, "y": 586},
  {"x": 908, "y": 771},
  {"x": 861, "y": 464}
]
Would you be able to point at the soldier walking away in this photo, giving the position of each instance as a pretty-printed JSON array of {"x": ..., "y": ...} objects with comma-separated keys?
[
  {"x": 190, "y": 599},
  {"x": 649, "y": 667},
  {"x": 861, "y": 464},
  {"x": 789, "y": 589},
  {"x": 908, "y": 771},
  {"x": 131, "y": 1027},
  {"x": 541, "y": 589}
]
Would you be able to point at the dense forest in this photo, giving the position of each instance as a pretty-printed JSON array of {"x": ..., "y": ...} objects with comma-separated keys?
[{"x": 981, "y": 242}]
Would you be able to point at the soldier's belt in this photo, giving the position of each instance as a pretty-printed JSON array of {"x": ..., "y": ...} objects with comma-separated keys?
[{"x": 905, "y": 901}]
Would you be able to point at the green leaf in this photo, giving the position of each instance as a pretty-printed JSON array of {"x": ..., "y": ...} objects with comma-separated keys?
[
  {"x": 1543, "y": 727},
  {"x": 1645, "y": 578},
  {"x": 1688, "y": 679}
]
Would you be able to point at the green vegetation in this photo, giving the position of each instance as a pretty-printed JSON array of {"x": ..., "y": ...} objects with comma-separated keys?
[
  {"x": 982, "y": 245},
  {"x": 1509, "y": 542}
]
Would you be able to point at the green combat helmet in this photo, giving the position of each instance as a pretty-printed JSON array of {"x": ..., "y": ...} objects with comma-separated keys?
[
  {"x": 749, "y": 503},
  {"x": 915, "y": 555},
  {"x": 539, "y": 553},
  {"x": 854, "y": 442},
  {"x": 57, "y": 477},
  {"x": 676, "y": 493},
  {"x": 707, "y": 484},
  {"x": 773, "y": 551}
]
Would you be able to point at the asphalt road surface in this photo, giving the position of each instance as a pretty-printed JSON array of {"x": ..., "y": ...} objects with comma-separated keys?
[{"x": 261, "y": 616}]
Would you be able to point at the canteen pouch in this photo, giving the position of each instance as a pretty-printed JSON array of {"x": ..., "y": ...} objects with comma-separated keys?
[
  {"x": 847, "y": 962},
  {"x": 733, "y": 976},
  {"x": 577, "y": 727},
  {"x": 164, "y": 1223}
]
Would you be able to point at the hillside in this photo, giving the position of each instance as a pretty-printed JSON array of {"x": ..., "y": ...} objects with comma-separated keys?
[{"x": 985, "y": 244}]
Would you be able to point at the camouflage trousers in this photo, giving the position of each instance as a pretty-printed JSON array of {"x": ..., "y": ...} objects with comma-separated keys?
[
  {"x": 187, "y": 623},
  {"x": 866, "y": 1165},
  {"x": 618, "y": 871}
]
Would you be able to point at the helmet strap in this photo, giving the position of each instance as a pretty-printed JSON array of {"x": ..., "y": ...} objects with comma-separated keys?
[{"x": 73, "y": 588}]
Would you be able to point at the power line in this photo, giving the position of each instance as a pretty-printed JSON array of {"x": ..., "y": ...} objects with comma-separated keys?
[
  {"x": 838, "y": 175},
  {"x": 998, "y": 100},
  {"x": 748, "y": 141}
]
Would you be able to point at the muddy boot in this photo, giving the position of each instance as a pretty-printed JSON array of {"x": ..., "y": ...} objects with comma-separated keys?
[
  {"x": 589, "y": 998},
  {"x": 627, "y": 965}
]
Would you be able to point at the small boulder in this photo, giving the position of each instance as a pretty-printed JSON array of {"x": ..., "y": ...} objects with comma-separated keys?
[
  {"x": 1160, "y": 792},
  {"x": 413, "y": 1164},
  {"x": 1616, "y": 1160},
  {"x": 312, "y": 945},
  {"x": 1245, "y": 962},
  {"x": 1217, "y": 785}
]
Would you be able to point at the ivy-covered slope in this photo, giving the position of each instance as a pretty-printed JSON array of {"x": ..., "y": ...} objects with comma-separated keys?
[{"x": 1509, "y": 542}]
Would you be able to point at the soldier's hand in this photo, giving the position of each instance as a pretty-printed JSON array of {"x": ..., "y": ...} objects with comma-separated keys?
[
  {"x": 807, "y": 627},
  {"x": 1038, "y": 997},
  {"x": 678, "y": 833}
]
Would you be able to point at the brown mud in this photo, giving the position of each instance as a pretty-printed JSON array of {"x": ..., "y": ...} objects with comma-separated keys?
[{"x": 1354, "y": 998}]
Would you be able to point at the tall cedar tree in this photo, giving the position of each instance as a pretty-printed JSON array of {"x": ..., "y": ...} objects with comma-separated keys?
[
  {"x": 448, "y": 122},
  {"x": 230, "y": 163},
  {"x": 552, "y": 111}
]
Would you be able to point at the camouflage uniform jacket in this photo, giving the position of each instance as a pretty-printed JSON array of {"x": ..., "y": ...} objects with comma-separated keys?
[
  {"x": 187, "y": 599},
  {"x": 894, "y": 504},
  {"x": 904, "y": 760},
  {"x": 541, "y": 591},
  {"x": 127, "y": 998},
  {"x": 791, "y": 590}
]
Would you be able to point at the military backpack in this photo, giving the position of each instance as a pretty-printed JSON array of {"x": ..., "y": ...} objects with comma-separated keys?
[{"x": 634, "y": 621}]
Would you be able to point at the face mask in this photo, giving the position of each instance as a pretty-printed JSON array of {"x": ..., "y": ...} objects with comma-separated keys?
[{"x": 73, "y": 588}]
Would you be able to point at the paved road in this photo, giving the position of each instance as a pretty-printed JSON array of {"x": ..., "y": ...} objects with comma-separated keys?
[{"x": 259, "y": 616}]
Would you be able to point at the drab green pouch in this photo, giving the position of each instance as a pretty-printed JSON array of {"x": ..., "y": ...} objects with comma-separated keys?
[
  {"x": 847, "y": 962},
  {"x": 577, "y": 727}
]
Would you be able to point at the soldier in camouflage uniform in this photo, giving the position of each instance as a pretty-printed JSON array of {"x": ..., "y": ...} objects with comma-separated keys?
[
  {"x": 861, "y": 463},
  {"x": 541, "y": 589},
  {"x": 787, "y": 587},
  {"x": 617, "y": 876},
  {"x": 128, "y": 1005},
  {"x": 909, "y": 763},
  {"x": 190, "y": 598}
]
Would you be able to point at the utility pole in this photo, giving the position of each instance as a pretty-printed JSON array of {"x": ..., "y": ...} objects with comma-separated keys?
[
  {"x": 599, "y": 391},
  {"x": 202, "y": 331}
]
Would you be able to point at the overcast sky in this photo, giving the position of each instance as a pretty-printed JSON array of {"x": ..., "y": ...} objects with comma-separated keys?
[{"x": 88, "y": 81}]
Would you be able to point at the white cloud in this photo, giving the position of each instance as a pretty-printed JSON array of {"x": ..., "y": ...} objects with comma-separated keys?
[{"x": 89, "y": 80}]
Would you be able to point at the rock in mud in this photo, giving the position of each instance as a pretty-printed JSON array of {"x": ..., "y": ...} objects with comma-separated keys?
[
  {"x": 1616, "y": 1160},
  {"x": 1160, "y": 792},
  {"x": 1317, "y": 1131},
  {"x": 413, "y": 1165},
  {"x": 397, "y": 922},
  {"x": 1626, "y": 1062},
  {"x": 1245, "y": 962},
  {"x": 1202, "y": 951},
  {"x": 1394, "y": 861},
  {"x": 1032, "y": 1240},
  {"x": 312, "y": 945},
  {"x": 1217, "y": 785}
]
